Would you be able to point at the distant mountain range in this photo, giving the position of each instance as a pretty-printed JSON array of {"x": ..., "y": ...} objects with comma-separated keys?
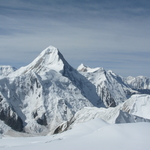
[{"x": 48, "y": 96}]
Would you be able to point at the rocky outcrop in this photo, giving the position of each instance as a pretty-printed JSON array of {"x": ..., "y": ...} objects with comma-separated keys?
[{"x": 11, "y": 119}]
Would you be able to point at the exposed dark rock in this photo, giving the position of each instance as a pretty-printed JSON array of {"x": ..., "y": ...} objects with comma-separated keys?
[
  {"x": 143, "y": 91},
  {"x": 35, "y": 114},
  {"x": 63, "y": 127},
  {"x": 42, "y": 120},
  {"x": 1, "y": 98},
  {"x": 110, "y": 102},
  {"x": 11, "y": 119}
]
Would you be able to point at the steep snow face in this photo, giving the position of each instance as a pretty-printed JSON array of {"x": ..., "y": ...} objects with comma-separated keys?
[
  {"x": 6, "y": 70},
  {"x": 138, "y": 105},
  {"x": 41, "y": 104},
  {"x": 49, "y": 59},
  {"x": 135, "y": 109},
  {"x": 140, "y": 83},
  {"x": 110, "y": 115},
  {"x": 109, "y": 86}
]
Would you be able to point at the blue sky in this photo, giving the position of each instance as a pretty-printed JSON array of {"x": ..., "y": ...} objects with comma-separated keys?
[{"x": 113, "y": 34}]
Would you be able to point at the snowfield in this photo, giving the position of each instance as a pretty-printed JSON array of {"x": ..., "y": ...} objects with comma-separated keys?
[{"x": 95, "y": 134}]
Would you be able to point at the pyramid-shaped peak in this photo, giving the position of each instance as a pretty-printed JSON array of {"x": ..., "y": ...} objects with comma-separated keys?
[
  {"x": 49, "y": 59},
  {"x": 50, "y": 49},
  {"x": 82, "y": 68}
]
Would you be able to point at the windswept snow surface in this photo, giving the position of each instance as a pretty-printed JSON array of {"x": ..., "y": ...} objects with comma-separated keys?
[{"x": 95, "y": 134}]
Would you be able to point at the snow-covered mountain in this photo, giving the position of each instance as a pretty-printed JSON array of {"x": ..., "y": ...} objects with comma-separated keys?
[
  {"x": 48, "y": 96},
  {"x": 47, "y": 92},
  {"x": 110, "y": 87},
  {"x": 6, "y": 70},
  {"x": 135, "y": 109},
  {"x": 138, "y": 105},
  {"x": 140, "y": 83}
]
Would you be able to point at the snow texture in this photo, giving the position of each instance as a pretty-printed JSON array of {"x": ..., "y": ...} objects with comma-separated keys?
[
  {"x": 109, "y": 86},
  {"x": 45, "y": 93},
  {"x": 95, "y": 134},
  {"x": 50, "y": 96}
]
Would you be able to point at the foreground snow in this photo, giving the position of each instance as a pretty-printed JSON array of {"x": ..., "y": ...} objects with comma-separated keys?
[{"x": 95, "y": 134}]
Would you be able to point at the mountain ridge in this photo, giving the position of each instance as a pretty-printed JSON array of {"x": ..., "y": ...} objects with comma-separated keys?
[
  {"x": 48, "y": 92},
  {"x": 45, "y": 93}
]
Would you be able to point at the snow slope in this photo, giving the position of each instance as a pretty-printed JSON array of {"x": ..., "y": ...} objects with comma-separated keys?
[
  {"x": 140, "y": 83},
  {"x": 109, "y": 86},
  {"x": 95, "y": 134},
  {"x": 44, "y": 96},
  {"x": 40, "y": 96},
  {"x": 110, "y": 115},
  {"x": 138, "y": 105},
  {"x": 135, "y": 109},
  {"x": 49, "y": 59}
]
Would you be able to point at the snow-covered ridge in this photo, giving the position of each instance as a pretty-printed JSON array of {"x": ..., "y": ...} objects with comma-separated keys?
[
  {"x": 84, "y": 68},
  {"x": 138, "y": 105},
  {"x": 6, "y": 70},
  {"x": 133, "y": 110},
  {"x": 49, "y": 59},
  {"x": 44, "y": 96},
  {"x": 109, "y": 86},
  {"x": 139, "y": 83}
]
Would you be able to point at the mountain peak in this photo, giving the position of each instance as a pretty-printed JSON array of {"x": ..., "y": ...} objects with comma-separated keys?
[
  {"x": 84, "y": 68},
  {"x": 49, "y": 49},
  {"x": 49, "y": 59}
]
